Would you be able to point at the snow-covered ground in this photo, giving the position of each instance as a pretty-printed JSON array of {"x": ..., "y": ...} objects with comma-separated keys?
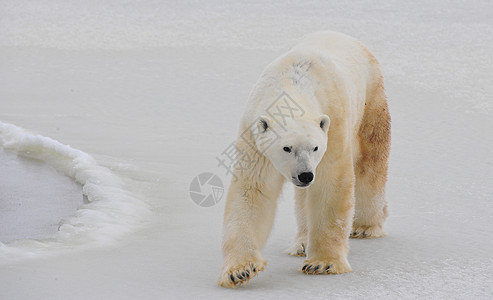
[{"x": 153, "y": 91}]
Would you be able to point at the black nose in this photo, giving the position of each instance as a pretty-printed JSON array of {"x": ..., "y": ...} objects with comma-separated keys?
[{"x": 306, "y": 177}]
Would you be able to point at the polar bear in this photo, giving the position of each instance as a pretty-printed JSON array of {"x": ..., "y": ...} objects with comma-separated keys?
[{"x": 317, "y": 117}]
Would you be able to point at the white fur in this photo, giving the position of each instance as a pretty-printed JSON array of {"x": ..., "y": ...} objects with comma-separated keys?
[{"x": 325, "y": 80}]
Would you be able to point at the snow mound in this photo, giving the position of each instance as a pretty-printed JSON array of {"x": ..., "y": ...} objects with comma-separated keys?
[{"x": 111, "y": 210}]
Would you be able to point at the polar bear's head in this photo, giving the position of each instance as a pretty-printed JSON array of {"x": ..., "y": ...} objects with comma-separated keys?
[{"x": 296, "y": 148}]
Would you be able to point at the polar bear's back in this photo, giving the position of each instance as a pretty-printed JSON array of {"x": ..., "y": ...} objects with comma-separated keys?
[
  {"x": 355, "y": 64},
  {"x": 350, "y": 56},
  {"x": 335, "y": 46},
  {"x": 345, "y": 58}
]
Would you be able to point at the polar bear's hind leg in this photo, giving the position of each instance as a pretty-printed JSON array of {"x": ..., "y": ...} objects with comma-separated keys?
[{"x": 371, "y": 167}]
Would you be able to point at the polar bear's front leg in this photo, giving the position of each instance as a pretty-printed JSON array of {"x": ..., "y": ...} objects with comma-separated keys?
[
  {"x": 248, "y": 219},
  {"x": 298, "y": 248},
  {"x": 330, "y": 211}
]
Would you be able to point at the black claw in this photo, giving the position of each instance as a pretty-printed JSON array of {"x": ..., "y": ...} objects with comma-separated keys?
[
  {"x": 243, "y": 274},
  {"x": 248, "y": 273},
  {"x": 253, "y": 267},
  {"x": 304, "y": 268},
  {"x": 232, "y": 278},
  {"x": 239, "y": 277},
  {"x": 316, "y": 268},
  {"x": 309, "y": 268},
  {"x": 328, "y": 268}
]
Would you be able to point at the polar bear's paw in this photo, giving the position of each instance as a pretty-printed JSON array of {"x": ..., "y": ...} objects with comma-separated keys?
[
  {"x": 367, "y": 232},
  {"x": 297, "y": 249},
  {"x": 323, "y": 267},
  {"x": 241, "y": 273}
]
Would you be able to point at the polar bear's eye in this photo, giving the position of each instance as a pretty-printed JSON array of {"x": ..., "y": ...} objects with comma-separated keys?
[
  {"x": 287, "y": 149},
  {"x": 316, "y": 148}
]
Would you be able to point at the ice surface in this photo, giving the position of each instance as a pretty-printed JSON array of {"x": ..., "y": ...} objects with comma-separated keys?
[
  {"x": 110, "y": 210},
  {"x": 154, "y": 90},
  {"x": 34, "y": 198}
]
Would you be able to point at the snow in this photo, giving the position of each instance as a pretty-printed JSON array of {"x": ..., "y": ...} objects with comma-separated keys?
[{"x": 148, "y": 94}]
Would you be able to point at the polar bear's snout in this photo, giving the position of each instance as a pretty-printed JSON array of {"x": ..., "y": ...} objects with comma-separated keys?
[
  {"x": 303, "y": 179},
  {"x": 306, "y": 177}
]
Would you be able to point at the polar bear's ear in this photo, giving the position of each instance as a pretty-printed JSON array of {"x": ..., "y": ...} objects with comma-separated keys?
[
  {"x": 324, "y": 122},
  {"x": 263, "y": 124}
]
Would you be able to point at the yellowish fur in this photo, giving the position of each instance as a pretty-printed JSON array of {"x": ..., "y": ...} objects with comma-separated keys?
[{"x": 339, "y": 78}]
